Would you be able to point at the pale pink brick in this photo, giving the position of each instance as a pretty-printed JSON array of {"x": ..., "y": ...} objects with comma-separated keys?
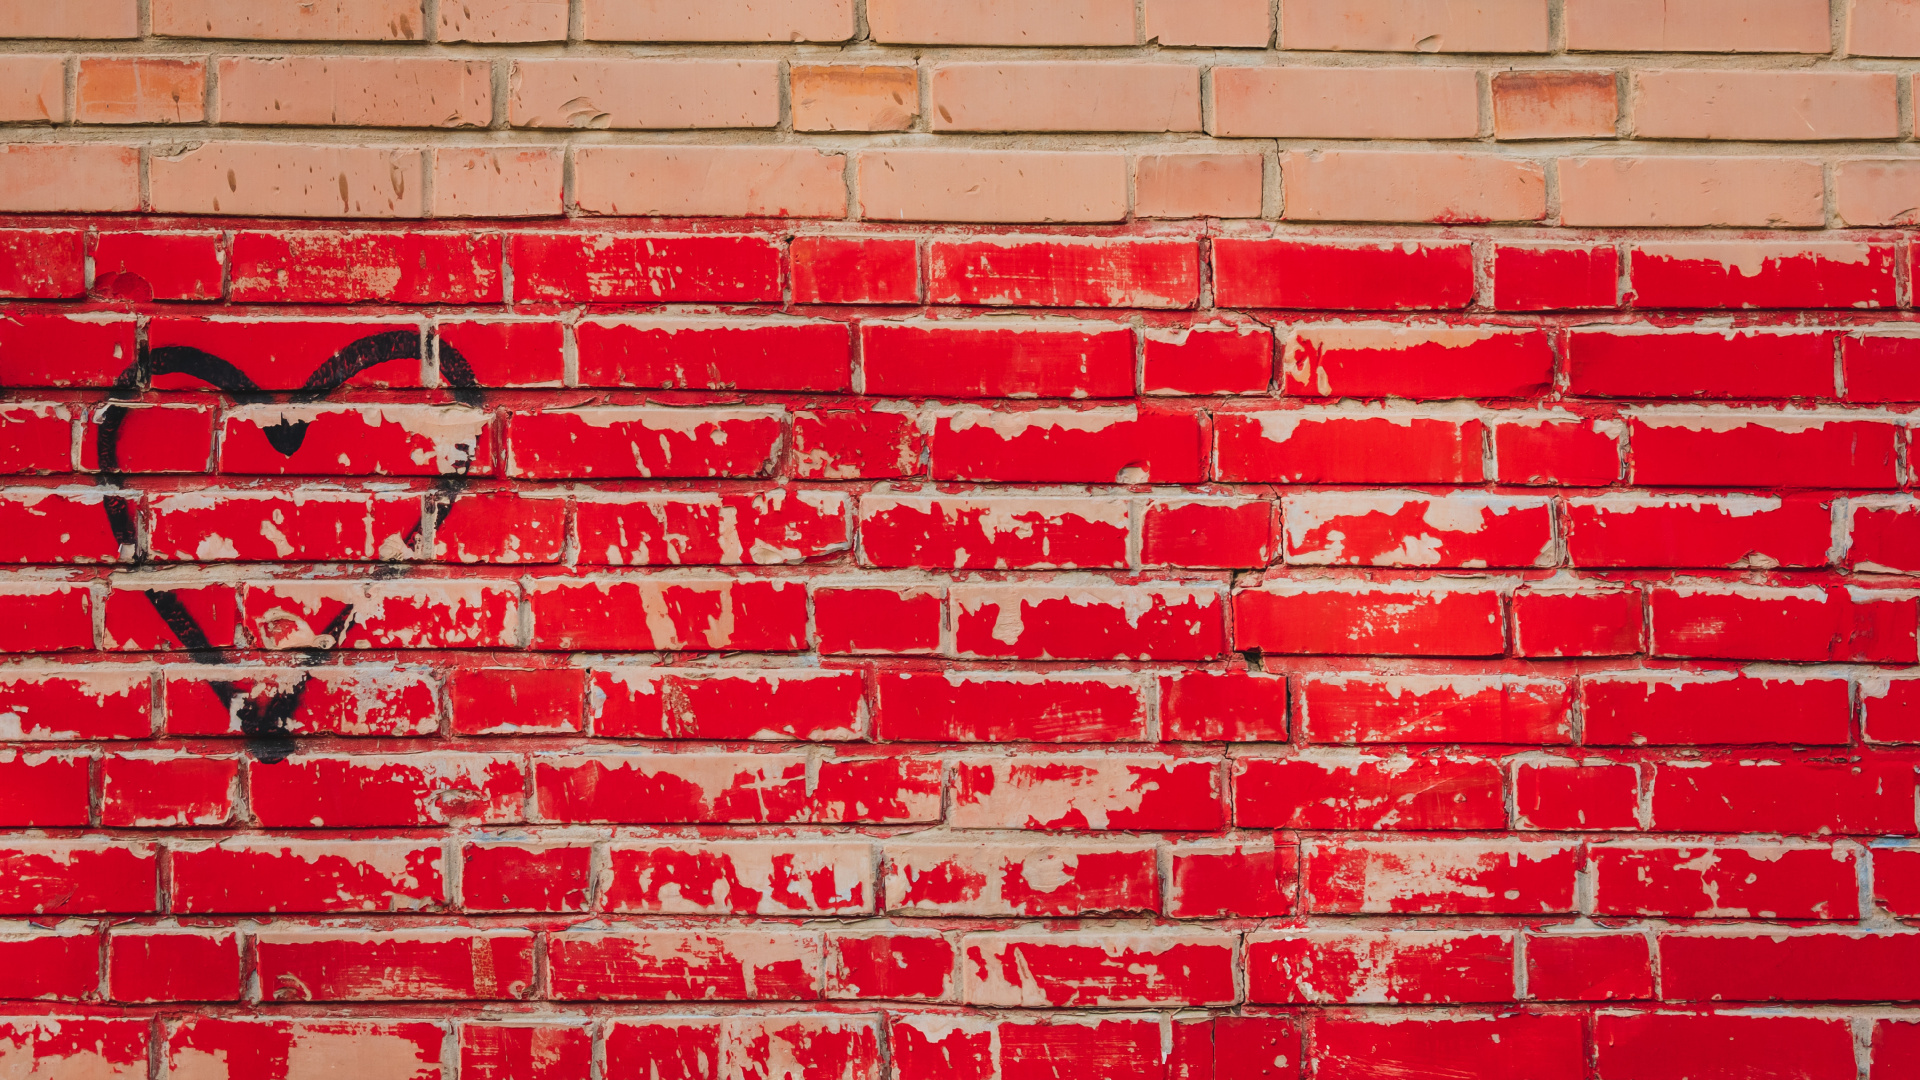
[
  {"x": 1065, "y": 96},
  {"x": 1346, "y": 103},
  {"x": 717, "y": 20},
  {"x": 1697, "y": 26},
  {"x": 33, "y": 89},
  {"x": 582, "y": 93},
  {"x": 1473, "y": 26},
  {"x": 58, "y": 178},
  {"x": 1001, "y": 22},
  {"x": 287, "y": 180},
  {"x": 291, "y": 20},
  {"x": 75, "y": 19},
  {"x": 1883, "y": 27},
  {"x": 140, "y": 90},
  {"x": 1691, "y": 191},
  {"x": 854, "y": 97},
  {"x": 1390, "y": 185},
  {"x": 1555, "y": 105},
  {"x": 1245, "y": 24},
  {"x": 503, "y": 20},
  {"x": 505, "y": 181},
  {"x": 1760, "y": 105},
  {"x": 710, "y": 181},
  {"x": 992, "y": 185},
  {"x": 1877, "y": 192},
  {"x": 346, "y": 91},
  {"x": 1197, "y": 185}
]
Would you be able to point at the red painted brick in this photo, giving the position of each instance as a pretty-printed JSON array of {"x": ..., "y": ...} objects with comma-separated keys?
[
  {"x": 1584, "y": 621},
  {"x": 37, "y": 618},
  {"x": 614, "y": 442},
  {"x": 173, "y": 965},
  {"x": 115, "y": 1046},
  {"x": 36, "y": 437},
  {"x": 1589, "y": 967},
  {"x": 667, "y": 965},
  {"x": 356, "y": 440},
  {"x": 363, "y": 790},
  {"x": 1718, "y": 531},
  {"x": 263, "y": 875},
  {"x": 1784, "y": 794},
  {"x": 302, "y": 525},
  {"x": 1126, "y": 1049},
  {"x": 388, "y": 965},
  {"x": 498, "y": 527},
  {"x": 1377, "y": 277},
  {"x": 43, "y": 264},
  {"x": 964, "y": 358},
  {"x": 1207, "y": 358},
  {"x": 884, "y": 619},
  {"x": 1208, "y": 533},
  {"x": 1410, "y": 529},
  {"x": 702, "y": 1046},
  {"x": 588, "y": 267},
  {"x": 715, "y": 354},
  {"x": 499, "y": 876},
  {"x": 1512, "y": 1046},
  {"x": 50, "y": 967},
  {"x": 1557, "y": 448},
  {"x": 1667, "y": 709},
  {"x": 1020, "y": 272},
  {"x": 1034, "y": 879},
  {"x": 162, "y": 789},
  {"x": 340, "y": 700},
  {"x": 1405, "y": 968},
  {"x": 1464, "y": 877},
  {"x": 1895, "y": 1050},
  {"x": 1079, "y": 970},
  {"x": 142, "y": 266},
  {"x": 1890, "y": 709},
  {"x": 1760, "y": 448},
  {"x": 1212, "y": 879},
  {"x": 1575, "y": 796},
  {"x": 285, "y": 354},
  {"x": 769, "y": 528},
  {"x": 1086, "y": 792},
  {"x": 742, "y": 788},
  {"x": 44, "y": 788},
  {"x": 1434, "y": 709},
  {"x": 668, "y": 613},
  {"x": 506, "y": 701},
  {"x": 1694, "y": 364},
  {"x": 284, "y": 1047},
  {"x": 1878, "y": 368},
  {"x": 1367, "y": 792},
  {"x": 1758, "y": 275},
  {"x": 1745, "y": 622},
  {"x": 1725, "y": 882},
  {"x": 1339, "y": 619},
  {"x": 534, "y": 1051},
  {"x": 1422, "y": 362},
  {"x": 67, "y": 703},
  {"x": 896, "y": 967},
  {"x": 78, "y": 877},
  {"x": 1736, "y": 966},
  {"x": 1222, "y": 706},
  {"x": 356, "y": 267},
  {"x": 740, "y": 877},
  {"x": 47, "y": 525},
  {"x": 427, "y": 614},
  {"x": 1127, "y": 445},
  {"x": 1883, "y": 535},
  {"x": 65, "y": 350},
  {"x": 1669, "y": 1046},
  {"x": 1555, "y": 278},
  {"x": 854, "y": 270},
  {"x": 691, "y": 703},
  {"x": 1348, "y": 447},
  {"x": 1070, "y": 622},
  {"x": 500, "y": 352},
  {"x": 960, "y": 533},
  {"x": 1008, "y": 707},
  {"x": 133, "y": 619},
  {"x": 848, "y": 444}
]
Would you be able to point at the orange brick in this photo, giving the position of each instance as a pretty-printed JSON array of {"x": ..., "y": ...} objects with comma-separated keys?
[
  {"x": 1390, "y": 185},
  {"x": 1698, "y": 26},
  {"x": 1001, "y": 22},
  {"x": 1883, "y": 28},
  {"x": 33, "y": 89},
  {"x": 644, "y": 93},
  {"x": 140, "y": 90},
  {"x": 503, "y": 20},
  {"x": 1757, "y": 105},
  {"x": 282, "y": 180},
  {"x": 54, "y": 178},
  {"x": 76, "y": 19},
  {"x": 717, "y": 20},
  {"x": 1091, "y": 95},
  {"x": 1554, "y": 105},
  {"x": 1483, "y": 26},
  {"x": 854, "y": 97},
  {"x": 499, "y": 181},
  {"x": 291, "y": 20},
  {"x": 992, "y": 185},
  {"x": 356, "y": 91},
  {"x": 1245, "y": 24},
  {"x": 1691, "y": 191},
  {"x": 1346, "y": 103},
  {"x": 710, "y": 181},
  {"x": 1197, "y": 185},
  {"x": 1877, "y": 192}
]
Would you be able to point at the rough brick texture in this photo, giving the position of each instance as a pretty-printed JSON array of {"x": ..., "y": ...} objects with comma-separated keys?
[{"x": 962, "y": 540}]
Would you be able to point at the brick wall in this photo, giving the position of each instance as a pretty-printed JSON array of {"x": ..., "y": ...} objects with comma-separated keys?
[{"x": 959, "y": 540}]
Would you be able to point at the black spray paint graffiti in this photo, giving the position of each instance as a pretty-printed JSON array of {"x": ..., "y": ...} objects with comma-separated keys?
[{"x": 264, "y": 719}]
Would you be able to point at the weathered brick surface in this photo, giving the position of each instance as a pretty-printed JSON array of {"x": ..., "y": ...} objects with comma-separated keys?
[{"x": 978, "y": 540}]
